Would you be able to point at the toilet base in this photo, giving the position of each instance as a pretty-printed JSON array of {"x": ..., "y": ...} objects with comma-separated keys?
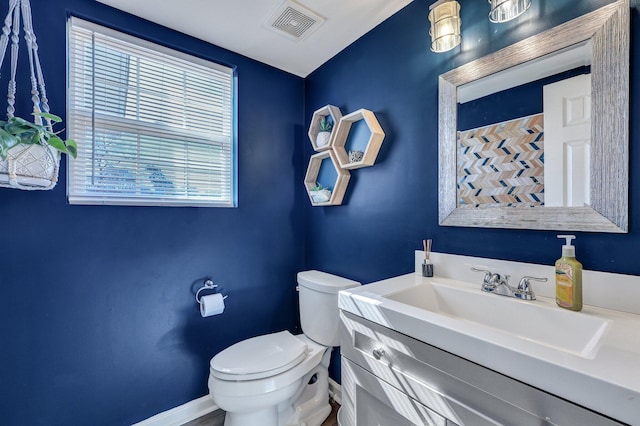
[
  {"x": 309, "y": 405},
  {"x": 263, "y": 417}
]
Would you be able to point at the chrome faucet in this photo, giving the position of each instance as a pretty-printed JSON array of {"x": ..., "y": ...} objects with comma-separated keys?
[
  {"x": 524, "y": 290},
  {"x": 498, "y": 284}
]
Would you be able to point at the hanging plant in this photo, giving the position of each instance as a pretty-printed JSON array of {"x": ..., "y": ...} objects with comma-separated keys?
[
  {"x": 17, "y": 131},
  {"x": 29, "y": 152}
]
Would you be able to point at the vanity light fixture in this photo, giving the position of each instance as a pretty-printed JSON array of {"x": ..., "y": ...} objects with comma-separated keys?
[
  {"x": 506, "y": 10},
  {"x": 444, "y": 16}
]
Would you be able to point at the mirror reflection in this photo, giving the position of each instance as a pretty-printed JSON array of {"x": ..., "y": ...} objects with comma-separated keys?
[{"x": 524, "y": 134}]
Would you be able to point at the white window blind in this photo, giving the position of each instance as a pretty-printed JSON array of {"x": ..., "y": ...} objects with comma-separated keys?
[{"x": 154, "y": 126}]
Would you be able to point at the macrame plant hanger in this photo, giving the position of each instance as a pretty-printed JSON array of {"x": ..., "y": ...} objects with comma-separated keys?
[{"x": 29, "y": 167}]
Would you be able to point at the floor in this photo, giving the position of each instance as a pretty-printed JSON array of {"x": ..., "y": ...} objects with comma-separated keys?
[
  {"x": 217, "y": 418},
  {"x": 332, "y": 420},
  {"x": 212, "y": 419}
]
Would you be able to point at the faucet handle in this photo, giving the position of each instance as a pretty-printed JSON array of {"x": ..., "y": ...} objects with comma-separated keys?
[
  {"x": 524, "y": 290},
  {"x": 490, "y": 281},
  {"x": 524, "y": 284},
  {"x": 487, "y": 274}
]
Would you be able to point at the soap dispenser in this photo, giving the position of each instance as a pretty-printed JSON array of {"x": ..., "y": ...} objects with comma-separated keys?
[{"x": 569, "y": 277}]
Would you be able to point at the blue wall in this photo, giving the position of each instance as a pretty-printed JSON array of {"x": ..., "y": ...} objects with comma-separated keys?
[
  {"x": 98, "y": 324},
  {"x": 389, "y": 208},
  {"x": 97, "y": 319}
]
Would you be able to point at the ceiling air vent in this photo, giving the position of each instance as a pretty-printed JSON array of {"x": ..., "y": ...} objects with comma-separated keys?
[{"x": 294, "y": 21}]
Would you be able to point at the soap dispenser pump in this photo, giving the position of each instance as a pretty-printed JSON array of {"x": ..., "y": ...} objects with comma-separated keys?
[{"x": 569, "y": 277}]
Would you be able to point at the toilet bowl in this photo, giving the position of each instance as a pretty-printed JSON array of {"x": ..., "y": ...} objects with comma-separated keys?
[
  {"x": 263, "y": 395},
  {"x": 281, "y": 379}
]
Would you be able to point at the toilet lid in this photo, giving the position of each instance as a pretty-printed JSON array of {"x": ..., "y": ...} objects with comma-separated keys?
[{"x": 259, "y": 357}]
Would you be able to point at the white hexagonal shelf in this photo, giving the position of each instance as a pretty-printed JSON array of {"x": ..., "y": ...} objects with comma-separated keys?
[
  {"x": 320, "y": 140},
  {"x": 324, "y": 170},
  {"x": 358, "y": 139}
]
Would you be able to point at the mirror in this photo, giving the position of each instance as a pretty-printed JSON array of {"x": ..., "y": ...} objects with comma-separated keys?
[
  {"x": 519, "y": 148},
  {"x": 524, "y": 134}
]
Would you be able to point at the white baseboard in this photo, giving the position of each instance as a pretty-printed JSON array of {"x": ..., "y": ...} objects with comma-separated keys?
[
  {"x": 335, "y": 391},
  {"x": 184, "y": 413}
]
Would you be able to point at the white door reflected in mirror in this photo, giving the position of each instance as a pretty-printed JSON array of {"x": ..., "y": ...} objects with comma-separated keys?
[{"x": 567, "y": 127}]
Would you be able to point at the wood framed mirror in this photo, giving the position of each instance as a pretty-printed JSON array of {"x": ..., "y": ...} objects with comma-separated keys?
[{"x": 605, "y": 32}]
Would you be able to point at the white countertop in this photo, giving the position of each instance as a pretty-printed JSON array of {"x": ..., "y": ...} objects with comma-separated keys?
[{"x": 608, "y": 381}]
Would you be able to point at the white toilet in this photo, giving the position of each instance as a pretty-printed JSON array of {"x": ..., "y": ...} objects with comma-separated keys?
[{"x": 280, "y": 379}]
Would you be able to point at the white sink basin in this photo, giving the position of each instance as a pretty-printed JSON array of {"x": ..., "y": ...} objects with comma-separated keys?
[
  {"x": 568, "y": 331},
  {"x": 590, "y": 357}
]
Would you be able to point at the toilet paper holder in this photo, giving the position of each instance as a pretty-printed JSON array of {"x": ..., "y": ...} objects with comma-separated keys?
[{"x": 208, "y": 285}]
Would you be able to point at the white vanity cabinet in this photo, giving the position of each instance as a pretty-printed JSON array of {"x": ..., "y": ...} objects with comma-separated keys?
[{"x": 390, "y": 379}]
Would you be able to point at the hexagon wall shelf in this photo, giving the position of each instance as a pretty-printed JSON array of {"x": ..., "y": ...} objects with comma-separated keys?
[
  {"x": 324, "y": 169},
  {"x": 314, "y": 128},
  {"x": 358, "y": 131}
]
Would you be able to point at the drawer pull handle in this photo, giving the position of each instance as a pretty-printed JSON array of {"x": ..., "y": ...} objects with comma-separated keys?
[{"x": 378, "y": 353}]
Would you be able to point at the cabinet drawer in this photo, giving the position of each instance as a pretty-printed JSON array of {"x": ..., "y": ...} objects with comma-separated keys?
[
  {"x": 373, "y": 401},
  {"x": 457, "y": 389}
]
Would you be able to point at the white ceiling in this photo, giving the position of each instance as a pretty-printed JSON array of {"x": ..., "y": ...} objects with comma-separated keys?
[{"x": 238, "y": 25}]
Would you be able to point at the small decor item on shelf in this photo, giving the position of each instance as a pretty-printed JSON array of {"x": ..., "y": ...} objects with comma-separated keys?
[
  {"x": 322, "y": 127},
  {"x": 324, "y": 135},
  {"x": 355, "y": 156},
  {"x": 365, "y": 144},
  {"x": 320, "y": 194},
  {"x": 29, "y": 152}
]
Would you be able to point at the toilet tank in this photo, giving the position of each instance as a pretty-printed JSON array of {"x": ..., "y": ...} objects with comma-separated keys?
[{"x": 319, "y": 305}]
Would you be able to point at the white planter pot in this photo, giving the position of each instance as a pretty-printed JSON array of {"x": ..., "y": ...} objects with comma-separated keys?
[
  {"x": 323, "y": 139},
  {"x": 321, "y": 196},
  {"x": 30, "y": 167}
]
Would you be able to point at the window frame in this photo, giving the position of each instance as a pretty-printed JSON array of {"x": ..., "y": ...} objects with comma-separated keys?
[{"x": 124, "y": 199}]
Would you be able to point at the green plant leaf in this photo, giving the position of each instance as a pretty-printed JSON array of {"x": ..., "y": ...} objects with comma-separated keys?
[
  {"x": 17, "y": 120},
  {"x": 14, "y": 124},
  {"x": 7, "y": 139},
  {"x": 58, "y": 144},
  {"x": 26, "y": 123},
  {"x": 325, "y": 124},
  {"x": 48, "y": 115},
  {"x": 72, "y": 148},
  {"x": 33, "y": 140},
  {"x": 17, "y": 130},
  {"x": 28, "y": 137}
]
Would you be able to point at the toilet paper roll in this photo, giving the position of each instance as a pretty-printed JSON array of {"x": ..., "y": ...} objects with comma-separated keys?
[{"x": 212, "y": 304}]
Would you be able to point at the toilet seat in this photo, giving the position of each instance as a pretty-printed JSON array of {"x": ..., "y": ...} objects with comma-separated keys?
[{"x": 259, "y": 357}]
